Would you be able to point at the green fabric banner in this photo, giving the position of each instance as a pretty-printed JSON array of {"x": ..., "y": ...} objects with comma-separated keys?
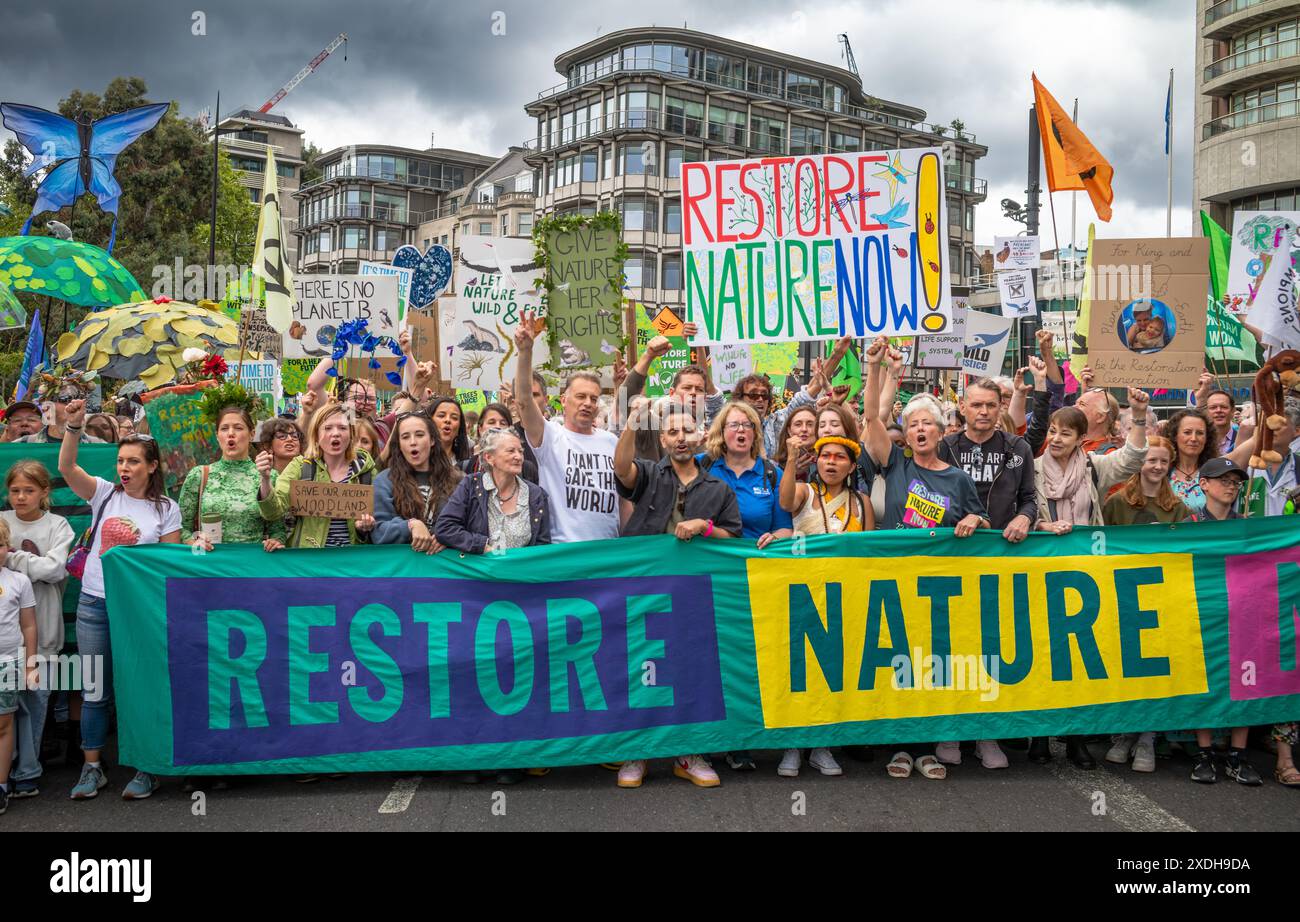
[
  {"x": 1226, "y": 338},
  {"x": 652, "y": 647},
  {"x": 1220, "y": 250}
]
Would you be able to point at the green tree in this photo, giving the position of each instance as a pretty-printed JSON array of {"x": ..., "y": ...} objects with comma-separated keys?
[
  {"x": 310, "y": 171},
  {"x": 236, "y": 219}
]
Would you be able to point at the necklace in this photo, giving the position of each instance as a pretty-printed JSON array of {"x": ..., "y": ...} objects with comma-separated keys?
[
  {"x": 1188, "y": 474},
  {"x": 503, "y": 499}
]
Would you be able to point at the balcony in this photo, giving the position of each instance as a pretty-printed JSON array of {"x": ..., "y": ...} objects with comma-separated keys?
[
  {"x": 1249, "y": 118},
  {"x": 1243, "y": 69},
  {"x": 381, "y": 176},
  {"x": 380, "y": 214},
  {"x": 748, "y": 87},
  {"x": 1230, "y": 17},
  {"x": 960, "y": 182}
]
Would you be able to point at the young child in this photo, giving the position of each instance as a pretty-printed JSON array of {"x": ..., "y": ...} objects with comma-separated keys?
[
  {"x": 1151, "y": 336},
  {"x": 17, "y": 641},
  {"x": 41, "y": 541}
]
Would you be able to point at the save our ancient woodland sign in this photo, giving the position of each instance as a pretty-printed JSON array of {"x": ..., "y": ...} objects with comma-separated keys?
[
  {"x": 584, "y": 293},
  {"x": 229, "y": 663},
  {"x": 808, "y": 248},
  {"x": 331, "y": 500},
  {"x": 323, "y": 302},
  {"x": 1147, "y": 321}
]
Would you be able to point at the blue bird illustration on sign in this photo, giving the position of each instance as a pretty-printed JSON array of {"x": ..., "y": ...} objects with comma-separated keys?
[
  {"x": 988, "y": 340},
  {"x": 430, "y": 272},
  {"x": 890, "y": 217}
]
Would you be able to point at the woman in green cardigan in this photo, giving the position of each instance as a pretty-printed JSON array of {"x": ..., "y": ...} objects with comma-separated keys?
[{"x": 331, "y": 457}]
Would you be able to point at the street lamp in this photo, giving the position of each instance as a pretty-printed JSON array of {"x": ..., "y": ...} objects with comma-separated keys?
[{"x": 217, "y": 132}]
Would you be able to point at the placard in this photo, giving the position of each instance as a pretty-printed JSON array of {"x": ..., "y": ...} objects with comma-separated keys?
[
  {"x": 660, "y": 375},
  {"x": 731, "y": 363},
  {"x": 944, "y": 350},
  {"x": 331, "y": 500},
  {"x": 1147, "y": 317},
  {"x": 1016, "y": 253},
  {"x": 1016, "y": 290},
  {"x": 260, "y": 378},
  {"x": 323, "y": 302},
  {"x": 585, "y": 303},
  {"x": 1256, "y": 237},
  {"x": 985, "y": 346},
  {"x": 810, "y": 248},
  {"x": 496, "y": 280},
  {"x": 403, "y": 277}
]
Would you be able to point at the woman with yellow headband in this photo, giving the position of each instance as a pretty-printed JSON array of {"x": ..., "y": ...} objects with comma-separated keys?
[{"x": 832, "y": 504}]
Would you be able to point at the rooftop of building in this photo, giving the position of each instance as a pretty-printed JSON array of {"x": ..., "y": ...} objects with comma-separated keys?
[{"x": 252, "y": 115}]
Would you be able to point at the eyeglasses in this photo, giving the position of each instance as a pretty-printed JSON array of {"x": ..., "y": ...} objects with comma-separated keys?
[
  {"x": 1229, "y": 482},
  {"x": 740, "y": 427},
  {"x": 285, "y": 434}
]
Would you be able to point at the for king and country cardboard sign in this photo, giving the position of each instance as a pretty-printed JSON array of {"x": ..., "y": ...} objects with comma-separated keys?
[
  {"x": 802, "y": 248},
  {"x": 650, "y": 647}
]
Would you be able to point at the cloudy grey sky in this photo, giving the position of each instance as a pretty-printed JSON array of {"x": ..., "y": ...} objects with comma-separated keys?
[{"x": 415, "y": 67}]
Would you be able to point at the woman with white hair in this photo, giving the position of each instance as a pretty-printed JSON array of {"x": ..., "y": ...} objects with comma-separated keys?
[{"x": 921, "y": 491}]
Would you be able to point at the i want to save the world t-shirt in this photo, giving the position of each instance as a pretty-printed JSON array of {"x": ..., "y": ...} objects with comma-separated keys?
[{"x": 577, "y": 472}]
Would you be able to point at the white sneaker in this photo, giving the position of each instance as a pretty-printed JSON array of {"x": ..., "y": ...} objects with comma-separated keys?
[
  {"x": 631, "y": 773},
  {"x": 949, "y": 752},
  {"x": 696, "y": 770},
  {"x": 1121, "y": 749},
  {"x": 1144, "y": 756},
  {"x": 824, "y": 762},
  {"x": 790, "y": 762}
]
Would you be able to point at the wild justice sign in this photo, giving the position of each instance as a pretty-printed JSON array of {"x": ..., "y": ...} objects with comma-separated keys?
[
  {"x": 363, "y": 659},
  {"x": 800, "y": 248}
]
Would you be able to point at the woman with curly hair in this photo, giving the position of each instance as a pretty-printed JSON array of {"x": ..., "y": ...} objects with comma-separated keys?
[
  {"x": 1189, "y": 430},
  {"x": 412, "y": 491}
]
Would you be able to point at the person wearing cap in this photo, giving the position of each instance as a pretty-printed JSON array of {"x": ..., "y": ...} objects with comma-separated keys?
[
  {"x": 64, "y": 395},
  {"x": 22, "y": 418},
  {"x": 1221, "y": 482},
  {"x": 677, "y": 496}
]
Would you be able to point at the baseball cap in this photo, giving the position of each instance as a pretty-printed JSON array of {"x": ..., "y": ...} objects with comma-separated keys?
[
  {"x": 1218, "y": 467},
  {"x": 19, "y": 405}
]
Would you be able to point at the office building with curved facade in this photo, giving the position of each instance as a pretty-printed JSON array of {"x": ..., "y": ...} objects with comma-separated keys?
[{"x": 637, "y": 103}]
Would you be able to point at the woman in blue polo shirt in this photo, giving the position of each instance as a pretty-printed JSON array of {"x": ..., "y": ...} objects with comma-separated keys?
[{"x": 733, "y": 454}]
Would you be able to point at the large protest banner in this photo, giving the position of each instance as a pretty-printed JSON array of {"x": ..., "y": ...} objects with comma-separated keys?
[
  {"x": 323, "y": 302},
  {"x": 497, "y": 279},
  {"x": 648, "y": 647},
  {"x": 803, "y": 248}
]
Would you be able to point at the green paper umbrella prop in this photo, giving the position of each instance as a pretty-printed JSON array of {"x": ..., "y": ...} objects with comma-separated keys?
[
  {"x": 12, "y": 313},
  {"x": 145, "y": 340},
  {"x": 77, "y": 273}
]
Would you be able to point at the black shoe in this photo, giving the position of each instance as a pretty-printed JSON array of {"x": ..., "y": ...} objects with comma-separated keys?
[
  {"x": 1242, "y": 772},
  {"x": 1203, "y": 770},
  {"x": 510, "y": 776},
  {"x": 1017, "y": 744},
  {"x": 4, "y": 800},
  {"x": 1040, "y": 753},
  {"x": 859, "y": 753},
  {"x": 741, "y": 761},
  {"x": 21, "y": 789},
  {"x": 468, "y": 778},
  {"x": 1076, "y": 750}
]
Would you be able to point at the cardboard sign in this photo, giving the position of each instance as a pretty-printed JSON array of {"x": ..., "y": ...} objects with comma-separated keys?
[
  {"x": 331, "y": 500},
  {"x": 585, "y": 306},
  {"x": 1016, "y": 253},
  {"x": 324, "y": 302},
  {"x": 1016, "y": 288},
  {"x": 985, "y": 345},
  {"x": 1147, "y": 318},
  {"x": 944, "y": 350}
]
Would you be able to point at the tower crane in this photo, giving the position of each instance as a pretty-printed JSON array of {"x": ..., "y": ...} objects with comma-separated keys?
[
  {"x": 846, "y": 52},
  {"x": 341, "y": 39}
]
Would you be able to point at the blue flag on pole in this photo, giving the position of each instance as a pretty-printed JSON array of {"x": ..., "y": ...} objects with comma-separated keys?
[
  {"x": 1169, "y": 103},
  {"x": 31, "y": 357}
]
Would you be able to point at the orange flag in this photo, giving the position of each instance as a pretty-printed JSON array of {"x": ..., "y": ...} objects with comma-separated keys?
[{"x": 1072, "y": 161}]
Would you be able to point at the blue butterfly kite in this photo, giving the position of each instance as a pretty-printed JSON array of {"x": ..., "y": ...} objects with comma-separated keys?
[{"x": 80, "y": 155}]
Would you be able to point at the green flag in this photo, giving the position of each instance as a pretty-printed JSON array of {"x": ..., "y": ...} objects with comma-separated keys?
[
  {"x": 1226, "y": 339},
  {"x": 1220, "y": 247},
  {"x": 849, "y": 371}
]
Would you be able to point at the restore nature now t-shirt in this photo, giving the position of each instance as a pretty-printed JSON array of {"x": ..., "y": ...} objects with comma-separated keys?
[
  {"x": 917, "y": 497},
  {"x": 577, "y": 473}
]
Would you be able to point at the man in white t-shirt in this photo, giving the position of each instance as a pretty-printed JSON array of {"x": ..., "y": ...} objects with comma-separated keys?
[{"x": 575, "y": 460}]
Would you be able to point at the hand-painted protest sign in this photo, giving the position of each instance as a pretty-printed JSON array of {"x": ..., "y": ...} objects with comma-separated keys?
[
  {"x": 430, "y": 273},
  {"x": 471, "y": 400},
  {"x": 260, "y": 378},
  {"x": 403, "y": 277},
  {"x": 486, "y": 661},
  {"x": 730, "y": 364},
  {"x": 1016, "y": 289},
  {"x": 806, "y": 248},
  {"x": 1226, "y": 338},
  {"x": 1262, "y": 274},
  {"x": 1147, "y": 317},
  {"x": 323, "y": 302},
  {"x": 294, "y": 374},
  {"x": 497, "y": 279},
  {"x": 332, "y": 500},
  {"x": 1016, "y": 253},
  {"x": 185, "y": 439},
  {"x": 944, "y": 350},
  {"x": 584, "y": 305},
  {"x": 660, "y": 376},
  {"x": 985, "y": 346}
]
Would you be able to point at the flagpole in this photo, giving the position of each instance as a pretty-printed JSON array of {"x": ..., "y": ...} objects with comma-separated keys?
[
  {"x": 1169, "y": 155},
  {"x": 1074, "y": 202}
]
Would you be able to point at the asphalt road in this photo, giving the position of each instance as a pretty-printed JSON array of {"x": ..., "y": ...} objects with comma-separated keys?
[{"x": 1025, "y": 797}]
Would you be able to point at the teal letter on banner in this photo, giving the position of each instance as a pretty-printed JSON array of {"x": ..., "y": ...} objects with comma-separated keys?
[
  {"x": 641, "y": 650},
  {"x": 485, "y": 658},
  {"x": 223, "y": 669},
  {"x": 1009, "y": 673},
  {"x": 827, "y": 641},
  {"x": 1134, "y": 619},
  {"x": 1288, "y": 591},
  {"x": 438, "y": 615},
  {"x": 377, "y": 660},
  {"x": 1061, "y": 625},
  {"x": 581, "y": 654},
  {"x": 884, "y": 600},
  {"x": 939, "y": 589},
  {"x": 303, "y": 664}
]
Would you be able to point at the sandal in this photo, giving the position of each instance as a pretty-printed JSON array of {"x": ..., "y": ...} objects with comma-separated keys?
[
  {"x": 931, "y": 768},
  {"x": 1287, "y": 776},
  {"x": 900, "y": 766}
]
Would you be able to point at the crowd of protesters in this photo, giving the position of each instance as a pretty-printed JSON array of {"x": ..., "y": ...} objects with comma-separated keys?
[{"x": 1012, "y": 455}]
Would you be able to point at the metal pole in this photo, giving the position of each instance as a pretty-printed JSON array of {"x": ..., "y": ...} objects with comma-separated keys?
[
  {"x": 212, "y": 226},
  {"x": 1074, "y": 201},
  {"x": 1029, "y": 324},
  {"x": 1169, "y": 201}
]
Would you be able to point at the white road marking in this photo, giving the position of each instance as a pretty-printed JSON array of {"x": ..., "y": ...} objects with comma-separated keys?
[
  {"x": 400, "y": 797},
  {"x": 1128, "y": 807}
]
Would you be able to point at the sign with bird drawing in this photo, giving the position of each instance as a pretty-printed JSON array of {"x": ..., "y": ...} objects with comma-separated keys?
[
  {"x": 1015, "y": 253},
  {"x": 496, "y": 280}
]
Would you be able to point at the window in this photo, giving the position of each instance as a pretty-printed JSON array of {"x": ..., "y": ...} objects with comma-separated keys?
[
  {"x": 638, "y": 57},
  {"x": 672, "y": 217},
  {"x": 390, "y": 207},
  {"x": 524, "y": 182},
  {"x": 679, "y": 154},
  {"x": 805, "y": 139},
  {"x": 525, "y": 225},
  {"x": 672, "y": 273},
  {"x": 639, "y": 213},
  {"x": 285, "y": 170},
  {"x": 640, "y": 268},
  {"x": 356, "y": 238},
  {"x": 638, "y": 108},
  {"x": 684, "y": 116},
  {"x": 765, "y": 79},
  {"x": 724, "y": 71},
  {"x": 505, "y": 225},
  {"x": 970, "y": 218},
  {"x": 255, "y": 195},
  {"x": 954, "y": 212},
  {"x": 803, "y": 89},
  {"x": 632, "y": 161},
  {"x": 464, "y": 229},
  {"x": 485, "y": 228},
  {"x": 248, "y": 164},
  {"x": 589, "y": 166},
  {"x": 607, "y": 156},
  {"x": 970, "y": 264},
  {"x": 257, "y": 137},
  {"x": 324, "y": 241},
  {"x": 727, "y": 125},
  {"x": 834, "y": 98},
  {"x": 845, "y": 142},
  {"x": 767, "y": 133},
  {"x": 575, "y": 168}
]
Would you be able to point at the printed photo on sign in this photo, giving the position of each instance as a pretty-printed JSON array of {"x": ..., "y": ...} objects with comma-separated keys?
[
  {"x": 1146, "y": 326},
  {"x": 1016, "y": 253},
  {"x": 817, "y": 246},
  {"x": 322, "y": 303}
]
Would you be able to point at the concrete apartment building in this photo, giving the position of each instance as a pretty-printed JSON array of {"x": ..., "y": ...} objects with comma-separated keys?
[
  {"x": 253, "y": 133},
  {"x": 1247, "y": 154},
  {"x": 497, "y": 203},
  {"x": 637, "y": 103}
]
